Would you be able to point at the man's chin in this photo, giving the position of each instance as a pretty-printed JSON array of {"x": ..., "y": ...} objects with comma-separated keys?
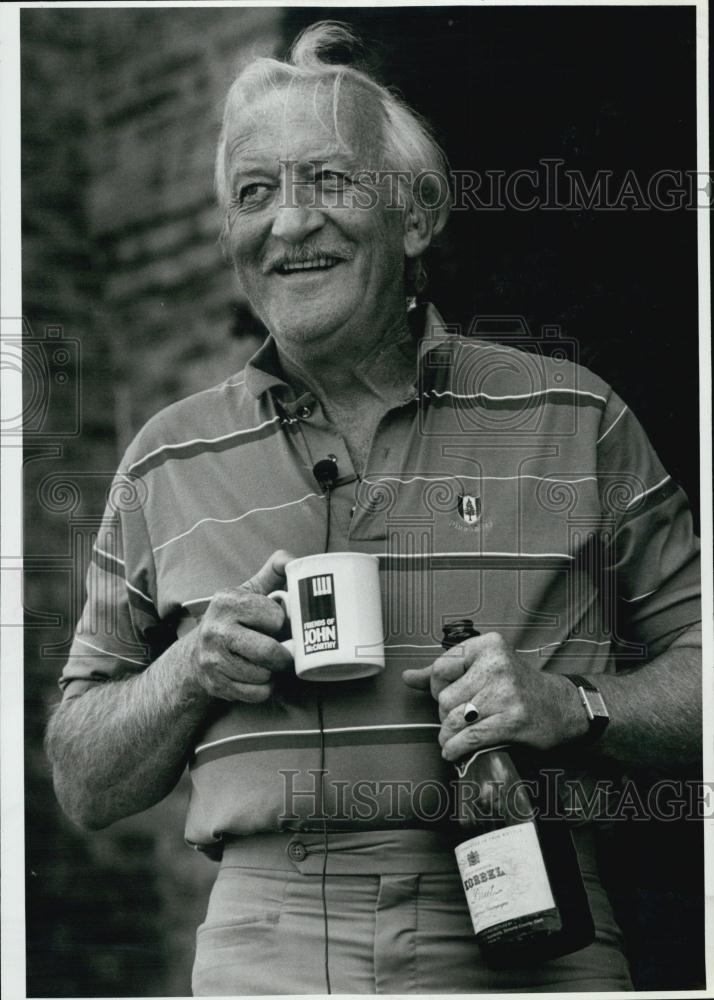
[{"x": 309, "y": 330}]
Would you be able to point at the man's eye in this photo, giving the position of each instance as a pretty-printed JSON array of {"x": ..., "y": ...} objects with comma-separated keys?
[{"x": 251, "y": 193}]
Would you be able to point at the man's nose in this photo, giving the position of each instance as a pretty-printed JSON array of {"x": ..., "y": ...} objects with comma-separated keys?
[{"x": 298, "y": 215}]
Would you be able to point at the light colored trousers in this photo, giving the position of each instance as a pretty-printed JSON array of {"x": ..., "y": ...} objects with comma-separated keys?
[{"x": 397, "y": 922}]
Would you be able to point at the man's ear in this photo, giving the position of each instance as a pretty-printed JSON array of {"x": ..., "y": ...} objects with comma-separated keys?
[{"x": 417, "y": 231}]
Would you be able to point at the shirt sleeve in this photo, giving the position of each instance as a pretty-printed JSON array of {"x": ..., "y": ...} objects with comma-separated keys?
[
  {"x": 653, "y": 554},
  {"x": 119, "y": 632}
]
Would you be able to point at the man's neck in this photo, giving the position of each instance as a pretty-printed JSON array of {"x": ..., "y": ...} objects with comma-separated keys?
[{"x": 353, "y": 381}]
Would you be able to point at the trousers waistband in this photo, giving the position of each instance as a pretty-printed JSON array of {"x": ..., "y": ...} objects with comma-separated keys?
[{"x": 373, "y": 852}]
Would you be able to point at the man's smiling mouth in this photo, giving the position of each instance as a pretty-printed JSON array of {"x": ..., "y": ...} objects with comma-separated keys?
[{"x": 323, "y": 263}]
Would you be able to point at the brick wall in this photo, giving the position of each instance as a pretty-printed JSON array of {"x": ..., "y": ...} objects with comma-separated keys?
[{"x": 170, "y": 300}]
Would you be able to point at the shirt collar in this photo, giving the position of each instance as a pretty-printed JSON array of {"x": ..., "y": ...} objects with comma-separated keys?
[{"x": 263, "y": 373}]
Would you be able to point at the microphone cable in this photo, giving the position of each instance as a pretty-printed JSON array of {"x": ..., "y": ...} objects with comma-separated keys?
[
  {"x": 325, "y": 845},
  {"x": 326, "y": 472}
]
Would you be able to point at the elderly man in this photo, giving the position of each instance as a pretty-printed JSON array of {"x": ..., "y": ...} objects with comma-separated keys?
[{"x": 489, "y": 481}]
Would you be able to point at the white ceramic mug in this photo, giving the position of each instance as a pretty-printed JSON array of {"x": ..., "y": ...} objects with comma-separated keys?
[{"x": 334, "y": 607}]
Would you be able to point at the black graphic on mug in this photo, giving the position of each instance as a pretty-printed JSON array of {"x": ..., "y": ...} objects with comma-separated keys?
[{"x": 317, "y": 610}]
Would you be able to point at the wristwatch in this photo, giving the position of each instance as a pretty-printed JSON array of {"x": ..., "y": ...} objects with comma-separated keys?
[{"x": 594, "y": 706}]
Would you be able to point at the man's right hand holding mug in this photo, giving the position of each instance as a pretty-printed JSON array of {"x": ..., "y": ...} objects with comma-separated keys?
[{"x": 235, "y": 652}]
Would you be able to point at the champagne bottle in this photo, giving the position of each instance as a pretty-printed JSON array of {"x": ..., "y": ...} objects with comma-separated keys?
[{"x": 519, "y": 870}]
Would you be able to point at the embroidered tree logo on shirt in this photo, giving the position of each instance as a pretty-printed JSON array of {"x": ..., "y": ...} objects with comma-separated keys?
[{"x": 469, "y": 508}]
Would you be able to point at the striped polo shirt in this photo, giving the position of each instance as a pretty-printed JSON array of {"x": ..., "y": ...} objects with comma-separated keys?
[{"x": 507, "y": 487}]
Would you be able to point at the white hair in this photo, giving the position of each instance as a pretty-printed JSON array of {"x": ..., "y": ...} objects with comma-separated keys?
[{"x": 406, "y": 141}]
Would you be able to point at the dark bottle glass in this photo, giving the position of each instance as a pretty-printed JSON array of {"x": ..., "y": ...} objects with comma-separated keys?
[{"x": 519, "y": 869}]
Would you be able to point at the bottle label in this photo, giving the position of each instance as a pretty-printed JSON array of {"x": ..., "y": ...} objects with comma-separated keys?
[{"x": 504, "y": 875}]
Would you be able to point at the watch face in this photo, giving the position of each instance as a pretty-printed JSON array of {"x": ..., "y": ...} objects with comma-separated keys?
[{"x": 595, "y": 705}]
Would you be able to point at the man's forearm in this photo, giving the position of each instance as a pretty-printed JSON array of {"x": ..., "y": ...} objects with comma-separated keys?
[
  {"x": 121, "y": 746},
  {"x": 655, "y": 711}
]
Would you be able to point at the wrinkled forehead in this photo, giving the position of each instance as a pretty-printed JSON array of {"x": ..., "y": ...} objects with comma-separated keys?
[{"x": 300, "y": 120}]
